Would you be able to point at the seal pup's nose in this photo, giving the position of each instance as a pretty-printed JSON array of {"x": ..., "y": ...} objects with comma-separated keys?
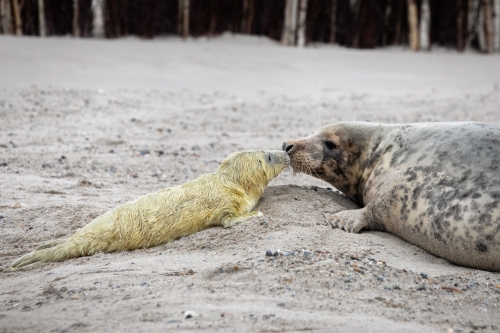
[{"x": 288, "y": 147}]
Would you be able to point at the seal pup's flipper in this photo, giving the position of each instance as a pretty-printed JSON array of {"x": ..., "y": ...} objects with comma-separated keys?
[
  {"x": 65, "y": 250},
  {"x": 51, "y": 244},
  {"x": 229, "y": 222}
]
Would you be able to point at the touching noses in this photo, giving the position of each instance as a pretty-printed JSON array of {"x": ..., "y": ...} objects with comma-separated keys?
[{"x": 288, "y": 147}]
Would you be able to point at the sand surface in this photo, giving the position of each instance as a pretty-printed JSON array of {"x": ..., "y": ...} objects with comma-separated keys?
[{"x": 86, "y": 125}]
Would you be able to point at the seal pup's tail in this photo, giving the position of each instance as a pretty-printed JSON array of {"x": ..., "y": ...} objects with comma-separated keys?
[{"x": 57, "y": 250}]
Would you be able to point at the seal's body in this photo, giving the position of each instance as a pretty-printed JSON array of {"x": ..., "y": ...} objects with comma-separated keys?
[
  {"x": 226, "y": 197},
  {"x": 436, "y": 185}
]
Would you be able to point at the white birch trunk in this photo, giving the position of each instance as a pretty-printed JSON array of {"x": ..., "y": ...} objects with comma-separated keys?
[
  {"x": 290, "y": 25},
  {"x": 185, "y": 19},
  {"x": 496, "y": 5},
  {"x": 18, "y": 23},
  {"x": 413, "y": 24},
  {"x": 41, "y": 18},
  {"x": 301, "y": 35},
  {"x": 425, "y": 25},
  {"x": 98, "y": 18},
  {"x": 333, "y": 22},
  {"x": 76, "y": 25}
]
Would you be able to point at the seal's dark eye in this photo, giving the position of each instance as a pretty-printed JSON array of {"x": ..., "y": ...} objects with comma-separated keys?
[
  {"x": 330, "y": 145},
  {"x": 269, "y": 158}
]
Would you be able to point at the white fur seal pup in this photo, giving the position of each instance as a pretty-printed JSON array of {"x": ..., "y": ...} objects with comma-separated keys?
[{"x": 226, "y": 197}]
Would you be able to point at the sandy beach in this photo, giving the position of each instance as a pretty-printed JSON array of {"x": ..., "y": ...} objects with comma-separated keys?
[{"x": 86, "y": 125}]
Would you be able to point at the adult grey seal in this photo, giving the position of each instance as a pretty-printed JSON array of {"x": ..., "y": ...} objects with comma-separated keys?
[{"x": 436, "y": 185}]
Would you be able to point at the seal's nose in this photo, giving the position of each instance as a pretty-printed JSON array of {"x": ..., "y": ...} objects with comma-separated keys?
[{"x": 288, "y": 147}]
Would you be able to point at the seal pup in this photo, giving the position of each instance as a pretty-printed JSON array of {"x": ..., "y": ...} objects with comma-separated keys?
[
  {"x": 436, "y": 185},
  {"x": 226, "y": 197}
]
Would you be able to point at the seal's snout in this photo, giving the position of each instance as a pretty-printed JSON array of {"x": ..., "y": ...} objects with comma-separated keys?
[{"x": 288, "y": 147}]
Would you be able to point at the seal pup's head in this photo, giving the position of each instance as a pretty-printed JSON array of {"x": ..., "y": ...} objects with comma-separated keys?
[{"x": 254, "y": 168}]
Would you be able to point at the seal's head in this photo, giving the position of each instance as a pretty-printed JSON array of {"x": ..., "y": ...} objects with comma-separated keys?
[
  {"x": 251, "y": 168},
  {"x": 332, "y": 154}
]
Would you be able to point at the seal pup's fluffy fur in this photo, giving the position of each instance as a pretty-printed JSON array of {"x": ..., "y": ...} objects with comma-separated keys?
[{"x": 226, "y": 197}]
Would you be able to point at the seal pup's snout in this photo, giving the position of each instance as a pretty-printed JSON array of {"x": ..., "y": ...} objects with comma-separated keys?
[
  {"x": 278, "y": 156},
  {"x": 288, "y": 147}
]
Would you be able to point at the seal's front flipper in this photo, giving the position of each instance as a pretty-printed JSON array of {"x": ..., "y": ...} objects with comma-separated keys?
[
  {"x": 356, "y": 219},
  {"x": 349, "y": 220},
  {"x": 229, "y": 222}
]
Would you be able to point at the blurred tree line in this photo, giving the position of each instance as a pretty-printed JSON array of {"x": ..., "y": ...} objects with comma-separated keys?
[{"x": 458, "y": 24}]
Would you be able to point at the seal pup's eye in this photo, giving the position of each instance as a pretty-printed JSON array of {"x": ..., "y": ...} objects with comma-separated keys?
[
  {"x": 330, "y": 145},
  {"x": 269, "y": 158}
]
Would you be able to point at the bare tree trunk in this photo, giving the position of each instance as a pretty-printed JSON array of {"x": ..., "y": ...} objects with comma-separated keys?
[
  {"x": 286, "y": 23},
  {"x": 185, "y": 29},
  {"x": 496, "y": 43},
  {"x": 387, "y": 16},
  {"x": 472, "y": 16},
  {"x": 356, "y": 9},
  {"x": 425, "y": 25},
  {"x": 213, "y": 25},
  {"x": 333, "y": 22},
  {"x": 248, "y": 28},
  {"x": 293, "y": 23},
  {"x": 3, "y": 15},
  {"x": 290, "y": 26},
  {"x": 16, "y": 7},
  {"x": 488, "y": 25},
  {"x": 180, "y": 10},
  {"x": 413, "y": 24},
  {"x": 41, "y": 18},
  {"x": 481, "y": 33},
  {"x": 399, "y": 23},
  {"x": 460, "y": 22},
  {"x": 9, "y": 20},
  {"x": 301, "y": 34},
  {"x": 244, "y": 11},
  {"x": 76, "y": 25},
  {"x": 98, "y": 18}
]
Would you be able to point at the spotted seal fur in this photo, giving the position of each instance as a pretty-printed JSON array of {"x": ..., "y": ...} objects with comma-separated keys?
[
  {"x": 436, "y": 185},
  {"x": 226, "y": 197}
]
